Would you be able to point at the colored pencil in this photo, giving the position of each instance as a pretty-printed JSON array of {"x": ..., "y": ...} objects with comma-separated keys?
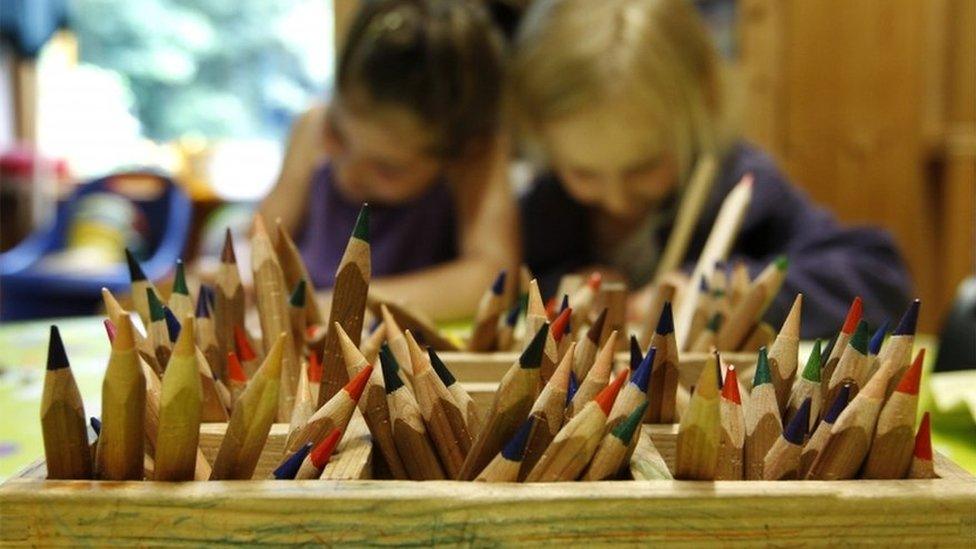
[
  {"x": 304, "y": 406},
  {"x": 121, "y": 442},
  {"x": 506, "y": 328},
  {"x": 763, "y": 423},
  {"x": 139, "y": 285},
  {"x": 294, "y": 269},
  {"x": 484, "y": 334},
  {"x": 296, "y": 316},
  {"x": 702, "y": 314},
  {"x": 636, "y": 353},
  {"x": 732, "y": 435},
  {"x": 596, "y": 379},
  {"x": 236, "y": 378},
  {"x": 921, "y": 467},
  {"x": 807, "y": 386},
  {"x": 551, "y": 353},
  {"x": 271, "y": 297},
  {"x": 821, "y": 435},
  {"x": 581, "y": 301},
  {"x": 549, "y": 411},
  {"x": 249, "y": 425},
  {"x": 510, "y": 406},
  {"x": 506, "y": 465},
  {"x": 207, "y": 337},
  {"x": 738, "y": 283},
  {"x": 66, "y": 449},
  {"x": 853, "y": 364},
  {"x": 840, "y": 342},
  {"x": 464, "y": 401},
  {"x": 898, "y": 348},
  {"x": 535, "y": 313},
  {"x": 370, "y": 347},
  {"x": 664, "y": 293},
  {"x": 696, "y": 454},
  {"x": 143, "y": 346},
  {"x": 783, "y": 460},
  {"x": 689, "y": 213},
  {"x": 245, "y": 352},
  {"x": 228, "y": 298},
  {"x": 752, "y": 306},
  {"x": 216, "y": 402},
  {"x": 335, "y": 413},
  {"x": 874, "y": 347},
  {"x": 413, "y": 444},
  {"x": 664, "y": 372},
  {"x": 319, "y": 457},
  {"x": 158, "y": 330},
  {"x": 588, "y": 346},
  {"x": 890, "y": 455},
  {"x": 615, "y": 448},
  {"x": 850, "y": 436},
  {"x": 180, "y": 407},
  {"x": 289, "y": 468},
  {"x": 634, "y": 392},
  {"x": 706, "y": 338},
  {"x": 574, "y": 445},
  {"x": 397, "y": 342},
  {"x": 783, "y": 355},
  {"x": 314, "y": 376},
  {"x": 348, "y": 304},
  {"x": 442, "y": 416},
  {"x": 180, "y": 301}
]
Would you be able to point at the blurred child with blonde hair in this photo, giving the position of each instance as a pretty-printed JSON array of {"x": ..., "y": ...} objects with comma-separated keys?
[{"x": 623, "y": 98}]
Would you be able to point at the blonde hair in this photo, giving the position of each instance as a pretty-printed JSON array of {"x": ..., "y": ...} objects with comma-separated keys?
[{"x": 575, "y": 54}]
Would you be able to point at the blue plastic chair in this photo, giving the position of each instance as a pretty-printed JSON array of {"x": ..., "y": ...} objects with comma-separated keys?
[{"x": 28, "y": 291}]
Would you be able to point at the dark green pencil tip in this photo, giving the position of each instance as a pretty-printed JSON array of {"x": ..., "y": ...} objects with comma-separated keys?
[
  {"x": 763, "y": 374},
  {"x": 715, "y": 322},
  {"x": 361, "y": 230},
  {"x": 298, "y": 295},
  {"x": 625, "y": 429},
  {"x": 391, "y": 376},
  {"x": 781, "y": 262},
  {"x": 532, "y": 355},
  {"x": 155, "y": 306},
  {"x": 56, "y": 357},
  {"x": 811, "y": 372},
  {"x": 179, "y": 282},
  {"x": 447, "y": 378},
  {"x": 860, "y": 338},
  {"x": 135, "y": 270}
]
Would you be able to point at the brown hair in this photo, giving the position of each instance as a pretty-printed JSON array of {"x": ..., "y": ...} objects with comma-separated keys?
[{"x": 440, "y": 60}]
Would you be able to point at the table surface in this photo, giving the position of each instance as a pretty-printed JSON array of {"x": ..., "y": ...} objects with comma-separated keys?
[{"x": 24, "y": 352}]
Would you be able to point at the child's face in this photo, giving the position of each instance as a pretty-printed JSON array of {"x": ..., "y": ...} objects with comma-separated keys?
[
  {"x": 610, "y": 158},
  {"x": 381, "y": 155}
]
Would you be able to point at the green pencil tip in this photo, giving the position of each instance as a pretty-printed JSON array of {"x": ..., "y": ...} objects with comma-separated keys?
[
  {"x": 860, "y": 338},
  {"x": 532, "y": 355},
  {"x": 179, "y": 282},
  {"x": 781, "y": 262},
  {"x": 715, "y": 323},
  {"x": 155, "y": 306},
  {"x": 298, "y": 295},
  {"x": 361, "y": 230},
  {"x": 811, "y": 372},
  {"x": 763, "y": 374},
  {"x": 625, "y": 429}
]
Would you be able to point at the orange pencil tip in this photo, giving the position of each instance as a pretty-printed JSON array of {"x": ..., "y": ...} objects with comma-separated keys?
[
  {"x": 913, "y": 376},
  {"x": 853, "y": 316},
  {"x": 730, "y": 390},
  {"x": 609, "y": 393},
  {"x": 314, "y": 368},
  {"x": 357, "y": 384},
  {"x": 244, "y": 350},
  {"x": 323, "y": 452},
  {"x": 558, "y": 328},
  {"x": 234, "y": 370},
  {"x": 923, "y": 439},
  {"x": 551, "y": 307}
]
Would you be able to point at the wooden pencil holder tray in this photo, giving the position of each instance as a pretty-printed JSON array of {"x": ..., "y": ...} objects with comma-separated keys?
[{"x": 35, "y": 511}]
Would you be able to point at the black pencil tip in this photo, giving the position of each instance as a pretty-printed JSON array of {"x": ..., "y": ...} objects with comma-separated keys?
[
  {"x": 391, "y": 375},
  {"x": 172, "y": 325},
  {"x": 155, "y": 306},
  {"x": 203, "y": 308},
  {"x": 361, "y": 230},
  {"x": 56, "y": 357},
  {"x": 135, "y": 270},
  {"x": 665, "y": 324},
  {"x": 908, "y": 321},
  {"x": 532, "y": 355},
  {"x": 298, "y": 295},
  {"x": 447, "y": 378},
  {"x": 179, "y": 281},
  {"x": 636, "y": 355},
  {"x": 498, "y": 286}
]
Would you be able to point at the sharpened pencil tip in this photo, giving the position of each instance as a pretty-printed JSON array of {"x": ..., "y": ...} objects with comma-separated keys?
[
  {"x": 447, "y": 378},
  {"x": 135, "y": 270},
  {"x": 796, "y": 429},
  {"x": 314, "y": 368},
  {"x": 511, "y": 318},
  {"x": 909, "y": 320},
  {"x": 234, "y": 370},
  {"x": 564, "y": 304},
  {"x": 730, "y": 387},
  {"x": 762, "y": 374},
  {"x": 155, "y": 306},
  {"x": 56, "y": 357},
  {"x": 860, "y": 338},
  {"x": 514, "y": 449},
  {"x": 912, "y": 378},
  {"x": 665, "y": 324},
  {"x": 839, "y": 403},
  {"x": 179, "y": 281},
  {"x": 298, "y": 295},
  {"x": 227, "y": 254},
  {"x": 571, "y": 387},
  {"x": 203, "y": 307},
  {"x": 878, "y": 338},
  {"x": 625, "y": 429},
  {"x": 498, "y": 286},
  {"x": 172, "y": 325},
  {"x": 715, "y": 323},
  {"x": 110, "y": 330},
  {"x": 322, "y": 453},
  {"x": 361, "y": 230},
  {"x": 636, "y": 355},
  {"x": 532, "y": 356},
  {"x": 596, "y": 329},
  {"x": 811, "y": 372},
  {"x": 96, "y": 425},
  {"x": 560, "y": 325},
  {"x": 853, "y": 316},
  {"x": 391, "y": 375},
  {"x": 782, "y": 263},
  {"x": 244, "y": 350},
  {"x": 923, "y": 439},
  {"x": 357, "y": 384},
  {"x": 288, "y": 469},
  {"x": 608, "y": 395},
  {"x": 642, "y": 374}
]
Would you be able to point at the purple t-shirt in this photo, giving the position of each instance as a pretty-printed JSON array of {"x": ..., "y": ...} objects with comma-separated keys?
[
  {"x": 829, "y": 263},
  {"x": 403, "y": 237}
]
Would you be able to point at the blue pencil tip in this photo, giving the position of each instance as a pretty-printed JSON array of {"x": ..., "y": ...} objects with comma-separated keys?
[
  {"x": 875, "y": 344},
  {"x": 573, "y": 387},
  {"x": 96, "y": 425},
  {"x": 908, "y": 321},
  {"x": 642, "y": 374},
  {"x": 499, "y": 285},
  {"x": 636, "y": 355},
  {"x": 665, "y": 324},
  {"x": 288, "y": 469},
  {"x": 840, "y": 402},
  {"x": 172, "y": 325},
  {"x": 203, "y": 307},
  {"x": 796, "y": 430},
  {"x": 514, "y": 450},
  {"x": 703, "y": 284},
  {"x": 512, "y": 317}
]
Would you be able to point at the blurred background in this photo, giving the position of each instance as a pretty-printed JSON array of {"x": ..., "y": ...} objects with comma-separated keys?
[{"x": 868, "y": 105}]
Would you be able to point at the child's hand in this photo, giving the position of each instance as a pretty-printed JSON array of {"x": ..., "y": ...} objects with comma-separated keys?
[{"x": 639, "y": 302}]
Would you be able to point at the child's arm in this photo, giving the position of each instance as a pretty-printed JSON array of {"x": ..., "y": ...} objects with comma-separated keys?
[
  {"x": 302, "y": 153},
  {"x": 488, "y": 242}
]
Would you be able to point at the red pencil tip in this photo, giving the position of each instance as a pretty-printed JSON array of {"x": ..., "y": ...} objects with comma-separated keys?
[
  {"x": 244, "y": 350},
  {"x": 558, "y": 327},
  {"x": 923, "y": 439},
  {"x": 730, "y": 390},
  {"x": 314, "y": 368},
  {"x": 110, "y": 330},
  {"x": 595, "y": 280},
  {"x": 913, "y": 376},
  {"x": 551, "y": 307},
  {"x": 853, "y": 316},
  {"x": 609, "y": 393},
  {"x": 234, "y": 370},
  {"x": 357, "y": 384},
  {"x": 323, "y": 452}
]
